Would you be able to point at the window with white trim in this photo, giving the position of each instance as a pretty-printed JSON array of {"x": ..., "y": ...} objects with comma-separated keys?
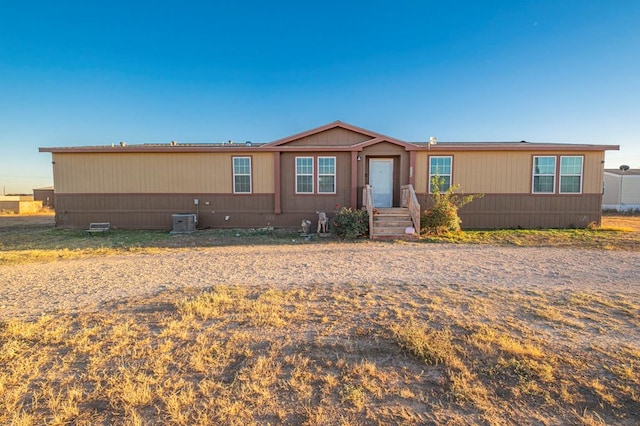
[
  {"x": 440, "y": 166},
  {"x": 544, "y": 175},
  {"x": 571, "y": 174},
  {"x": 304, "y": 175},
  {"x": 241, "y": 175},
  {"x": 326, "y": 175}
]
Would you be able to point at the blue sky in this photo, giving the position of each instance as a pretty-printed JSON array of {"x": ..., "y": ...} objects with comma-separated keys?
[{"x": 100, "y": 72}]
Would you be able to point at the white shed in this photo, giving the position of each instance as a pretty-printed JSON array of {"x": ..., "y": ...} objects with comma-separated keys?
[{"x": 621, "y": 189}]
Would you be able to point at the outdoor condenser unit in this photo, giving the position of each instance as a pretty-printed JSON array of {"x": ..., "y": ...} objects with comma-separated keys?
[{"x": 183, "y": 223}]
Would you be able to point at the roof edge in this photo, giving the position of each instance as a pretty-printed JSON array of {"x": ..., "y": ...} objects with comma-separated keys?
[{"x": 333, "y": 125}]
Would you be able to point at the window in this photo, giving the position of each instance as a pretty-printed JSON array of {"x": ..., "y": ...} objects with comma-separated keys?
[
  {"x": 570, "y": 175},
  {"x": 304, "y": 175},
  {"x": 241, "y": 175},
  {"x": 440, "y": 166},
  {"x": 544, "y": 175},
  {"x": 327, "y": 175}
]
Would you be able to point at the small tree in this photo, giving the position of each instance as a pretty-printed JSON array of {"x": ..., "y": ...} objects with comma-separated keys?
[{"x": 443, "y": 216}]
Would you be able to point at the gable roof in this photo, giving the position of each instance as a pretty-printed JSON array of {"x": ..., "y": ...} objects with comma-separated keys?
[{"x": 373, "y": 137}]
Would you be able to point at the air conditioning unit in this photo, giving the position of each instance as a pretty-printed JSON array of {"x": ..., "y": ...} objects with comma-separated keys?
[{"x": 183, "y": 223}]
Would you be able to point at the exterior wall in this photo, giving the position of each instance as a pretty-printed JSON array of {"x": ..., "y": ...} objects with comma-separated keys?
[
  {"x": 611, "y": 196},
  {"x": 505, "y": 179},
  {"x": 20, "y": 205},
  {"x": 303, "y": 206},
  {"x": 153, "y": 211},
  {"x": 630, "y": 198},
  {"x": 528, "y": 212},
  {"x": 332, "y": 137},
  {"x": 46, "y": 196},
  {"x": 143, "y": 190},
  {"x": 499, "y": 172},
  {"x": 176, "y": 173},
  {"x": 631, "y": 190},
  {"x": 400, "y": 167}
]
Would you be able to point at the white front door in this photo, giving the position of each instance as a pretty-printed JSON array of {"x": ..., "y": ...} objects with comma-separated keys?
[{"x": 381, "y": 181}]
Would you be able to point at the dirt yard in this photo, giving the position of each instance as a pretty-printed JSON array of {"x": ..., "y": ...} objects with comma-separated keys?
[
  {"x": 323, "y": 333},
  {"x": 32, "y": 289}
]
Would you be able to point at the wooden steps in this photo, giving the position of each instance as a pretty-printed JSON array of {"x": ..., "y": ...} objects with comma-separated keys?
[{"x": 392, "y": 223}]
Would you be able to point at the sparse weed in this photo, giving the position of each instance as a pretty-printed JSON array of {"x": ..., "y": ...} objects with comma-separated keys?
[{"x": 240, "y": 355}]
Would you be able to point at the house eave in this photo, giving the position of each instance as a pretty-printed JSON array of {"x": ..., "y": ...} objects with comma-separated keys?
[{"x": 511, "y": 146}]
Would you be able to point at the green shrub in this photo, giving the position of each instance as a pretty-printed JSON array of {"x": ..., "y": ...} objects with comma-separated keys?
[
  {"x": 443, "y": 217},
  {"x": 350, "y": 223}
]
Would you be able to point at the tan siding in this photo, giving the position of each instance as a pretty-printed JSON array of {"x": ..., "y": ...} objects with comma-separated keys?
[
  {"x": 331, "y": 137},
  {"x": 421, "y": 172},
  {"x": 155, "y": 173},
  {"x": 493, "y": 172},
  {"x": 503, "y": 172},
  {"x": 593, "y": 173},
  {"x": 263, "y": 173}
]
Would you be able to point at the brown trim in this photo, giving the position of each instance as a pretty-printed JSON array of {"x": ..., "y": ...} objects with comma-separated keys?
[
  {"x": 335, "y": 174},
  {"x": 233, "y": 181},
  {"x": 412, "y": 168},
  {"x": 295, "y": 175},
  {"x": 512, "y": 146},
  {"x": 556, "y": 182},
  {"x": 354, "y": 179},
  {"x": 440, "y": 147},
  {"x": 230, "y": 149},
  {"x": 555, "y": 176},
  {"x": 560, "y": 175},
  {"x": 407, "y": 146},
  {"x": 333, "y": 125},
  {"x": 429, "y": 169},
  {"x": 316, "y": 176},
  {"x": 316, "y": 148},
  {"x": 277, "y": 180}
]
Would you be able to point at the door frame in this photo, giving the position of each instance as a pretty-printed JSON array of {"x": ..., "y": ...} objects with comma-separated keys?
[{"x": 391, "y": 161}]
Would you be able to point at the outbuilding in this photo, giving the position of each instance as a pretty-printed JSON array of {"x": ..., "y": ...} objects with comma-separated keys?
[
  {"x": 621, "y": 189},
  {"x": 45, "y": 195}
]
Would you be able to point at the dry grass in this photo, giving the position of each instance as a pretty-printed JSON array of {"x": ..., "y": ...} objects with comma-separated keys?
[{"x": 336, "y": 355}]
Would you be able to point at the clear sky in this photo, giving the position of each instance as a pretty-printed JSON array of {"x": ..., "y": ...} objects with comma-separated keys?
[{"x": 100, "y": 72}]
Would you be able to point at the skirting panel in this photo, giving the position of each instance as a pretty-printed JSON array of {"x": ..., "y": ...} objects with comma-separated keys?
[
  {"x": 153, "y": 211},
  {"x": 495, "y": 211}
]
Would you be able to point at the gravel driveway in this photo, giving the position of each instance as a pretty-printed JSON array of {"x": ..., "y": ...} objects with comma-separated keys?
[{"x": 30, "y": 290}]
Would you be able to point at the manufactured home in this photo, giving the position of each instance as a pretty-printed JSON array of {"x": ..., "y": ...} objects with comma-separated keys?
[
  {"x": 280, "y": 183},
  {"x": 621, "y": 189}
]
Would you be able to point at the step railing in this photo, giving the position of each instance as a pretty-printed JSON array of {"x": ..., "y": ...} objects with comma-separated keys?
[
  {"x": 410, "y": 201},
  {"x": 367, "y": 202}
]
